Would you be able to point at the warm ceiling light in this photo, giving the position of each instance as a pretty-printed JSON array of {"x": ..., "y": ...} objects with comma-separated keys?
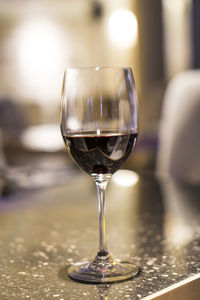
[
  {"x": 40, "y": 56},
  {"x": 122, "y": 27}
]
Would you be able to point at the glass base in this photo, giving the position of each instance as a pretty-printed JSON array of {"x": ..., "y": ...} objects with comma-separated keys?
[{"x": 102, "y": 270}]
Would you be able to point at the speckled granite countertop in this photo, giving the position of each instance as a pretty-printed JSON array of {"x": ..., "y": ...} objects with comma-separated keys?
[{"x": 156, "y": 225}]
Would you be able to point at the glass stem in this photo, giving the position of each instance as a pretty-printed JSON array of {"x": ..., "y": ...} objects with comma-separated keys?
[{"x": 101, "y": 187}]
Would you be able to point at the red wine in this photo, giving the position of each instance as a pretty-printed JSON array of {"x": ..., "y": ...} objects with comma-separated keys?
[{"x": 100, "y": 154}]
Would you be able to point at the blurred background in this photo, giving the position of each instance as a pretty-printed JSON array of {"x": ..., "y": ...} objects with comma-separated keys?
[{"x": 38, "y": 39}]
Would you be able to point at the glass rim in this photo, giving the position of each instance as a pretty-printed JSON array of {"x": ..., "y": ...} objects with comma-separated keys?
[{"x": 97, "y": 68}]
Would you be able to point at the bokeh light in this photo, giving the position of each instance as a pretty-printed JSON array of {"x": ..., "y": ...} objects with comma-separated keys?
[
  {"x": 125, "y": 178},
  {"x": 122, "y": 27},
  {"x": 39, "y": 56}
]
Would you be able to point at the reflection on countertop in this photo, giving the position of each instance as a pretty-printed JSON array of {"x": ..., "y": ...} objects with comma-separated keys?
[{"x": 155, "y": 223}]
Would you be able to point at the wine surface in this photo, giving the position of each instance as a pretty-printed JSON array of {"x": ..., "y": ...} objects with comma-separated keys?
[{"x": 100, "y": 154}]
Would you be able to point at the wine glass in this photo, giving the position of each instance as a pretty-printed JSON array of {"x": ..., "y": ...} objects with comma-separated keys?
[{"x": 99, "y": 125}]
